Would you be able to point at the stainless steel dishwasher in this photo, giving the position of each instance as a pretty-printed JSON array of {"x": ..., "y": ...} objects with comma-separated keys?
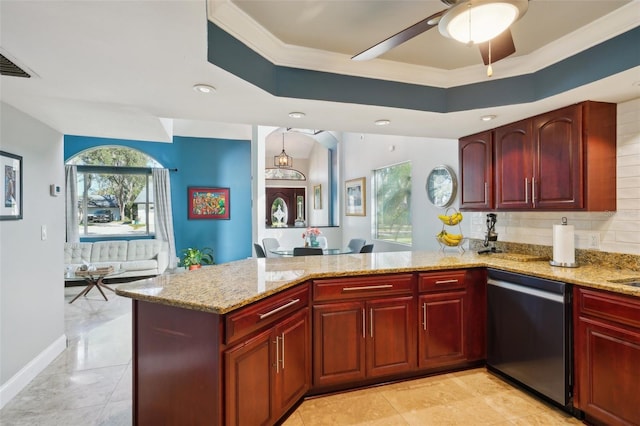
[{"x": 529, "y": 333}]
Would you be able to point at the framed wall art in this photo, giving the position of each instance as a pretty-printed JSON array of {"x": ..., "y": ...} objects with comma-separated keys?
[
  {"x": 208, "y": 203},
  {"x": 317, "y": 197},
  {"x": 11, "y": 169},
  {"x": 356, "y": 197}
]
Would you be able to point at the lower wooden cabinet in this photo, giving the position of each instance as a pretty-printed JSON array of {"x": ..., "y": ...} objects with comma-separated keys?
[
  {"x": 365, "y": 338},
  {"x": 442, "y": 331},
  {"x": 452, "y": 315},
  {"x": 607, "y": 357},
  {"x": 269, "y": 373}
]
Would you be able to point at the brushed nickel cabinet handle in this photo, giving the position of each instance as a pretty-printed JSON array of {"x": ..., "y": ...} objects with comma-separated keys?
[
  {"x": 424, "y": 316},
  {"x": 277, "y": 355},
  {"x": 282, "y": 359},
  {"x": 368, "y": 287},
  {"x": 447, "y": 282},
  {"x": 364, "y": 325},
  {"x": 526, "y": 190},
  {"x": 371, "y": 322},
  {"x": 533, "y": 191},
  {"x": 278, "y": 309}
]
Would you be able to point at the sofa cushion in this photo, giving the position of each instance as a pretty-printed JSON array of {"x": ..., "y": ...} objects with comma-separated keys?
[
  {"x": 139, "y": 265},
  {"x": 77, "y": 253},
  {"x": 109, "y": 251},
  {"x": 143, "y": 250}
]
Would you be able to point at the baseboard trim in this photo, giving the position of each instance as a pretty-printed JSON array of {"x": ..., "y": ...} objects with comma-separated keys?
[{"x": 21, "y": 379}]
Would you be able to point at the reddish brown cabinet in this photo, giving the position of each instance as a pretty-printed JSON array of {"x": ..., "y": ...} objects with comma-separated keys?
[
  {"x": 514, "y": 166},
  {"x": 273, "y": 368},
  {"x": 475, "y": 154},
  {"x": 560, "y": 160},
  {"x": 269, "y": 356},
  {"x": 451, "y": 309},
  {"x": 607, "y": 356},
  {"x": 363, "y": 328}
]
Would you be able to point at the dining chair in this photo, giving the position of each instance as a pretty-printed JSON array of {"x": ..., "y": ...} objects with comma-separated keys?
[
  {"x": 270, "y": 244},
  {"x": 259, "y": 250},
  {"x": 367, "y": 248},
  {"x": 323, "y": 242},
  {"x": 355, "y": 245},
  {"x": 307, "y": 251}
]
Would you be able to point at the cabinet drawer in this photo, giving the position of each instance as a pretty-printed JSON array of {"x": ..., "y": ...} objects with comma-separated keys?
[
  {"x": 362, "y": 287},
  {"x": 266, "y": 312},
  {"x": 438, "y": 281},
  {"x": 611, "y": 307}
]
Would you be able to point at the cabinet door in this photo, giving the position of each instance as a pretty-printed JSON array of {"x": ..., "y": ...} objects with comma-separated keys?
[
  {"x": 391, "y": 336},
  {"x": 442, "y": 331},
  {"x": 558, "y": 168},
  {"x": 514, "y": 166},
  {"x": 338, "y": 343},
  {"x": 293, "y": 369},
  {"x": 476, "y": 171},
  {"x": 608, "y": 372},
  {"x": 248, "y": 381}
]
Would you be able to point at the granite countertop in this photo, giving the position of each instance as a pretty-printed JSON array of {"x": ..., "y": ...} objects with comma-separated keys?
[{"x": 229, "y": 286}]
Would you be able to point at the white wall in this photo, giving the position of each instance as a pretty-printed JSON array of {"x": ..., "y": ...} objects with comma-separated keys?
[
  {"x": 318, "y": 175},
  {"x": 618, "y": 231},
  {"x": 362, "y": 153},
  {"x": 31, "y": 270}
]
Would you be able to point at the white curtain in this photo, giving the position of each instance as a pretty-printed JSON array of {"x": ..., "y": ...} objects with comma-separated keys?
[
  {"x": 163, "y": 214},
  {"x": 71, "y": 203}
]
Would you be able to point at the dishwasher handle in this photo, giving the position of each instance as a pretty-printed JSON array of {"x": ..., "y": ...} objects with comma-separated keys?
[{"x": 555, "y": 297}]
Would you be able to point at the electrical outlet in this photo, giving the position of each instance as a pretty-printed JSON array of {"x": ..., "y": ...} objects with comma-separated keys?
[{"x": 593, "y": 241}]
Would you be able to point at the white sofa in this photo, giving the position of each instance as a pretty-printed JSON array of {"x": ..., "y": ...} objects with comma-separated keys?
[{"x": 133, "y": 258}]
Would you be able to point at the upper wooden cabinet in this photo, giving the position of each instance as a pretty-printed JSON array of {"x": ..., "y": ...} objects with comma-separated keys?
[
  {"x": 561, "y": 160},
  {"x": 476, "y": 171}
]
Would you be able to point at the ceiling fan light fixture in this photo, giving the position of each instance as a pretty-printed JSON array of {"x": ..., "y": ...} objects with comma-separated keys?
[
  {"x": 283, "y": 161},
  {"x": 478, "y": 21}
]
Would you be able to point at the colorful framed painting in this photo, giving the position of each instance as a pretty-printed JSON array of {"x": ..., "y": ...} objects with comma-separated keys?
[
  {"x": 355, "y": 191},
  {"x": 11, "y": 190},
  {"x": 208, "y": 203}
]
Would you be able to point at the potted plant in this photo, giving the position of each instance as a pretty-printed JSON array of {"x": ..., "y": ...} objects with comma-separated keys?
[{"x": 193, "y": 258}]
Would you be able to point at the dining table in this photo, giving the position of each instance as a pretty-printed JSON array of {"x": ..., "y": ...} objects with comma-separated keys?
[{"x": 288, "y": 252}]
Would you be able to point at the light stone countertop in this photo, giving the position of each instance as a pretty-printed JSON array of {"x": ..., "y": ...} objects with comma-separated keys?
[{"x": 229, "y": 286}]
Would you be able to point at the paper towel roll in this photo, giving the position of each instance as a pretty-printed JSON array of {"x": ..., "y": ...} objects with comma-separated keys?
[{"x": 564, "y": 245}]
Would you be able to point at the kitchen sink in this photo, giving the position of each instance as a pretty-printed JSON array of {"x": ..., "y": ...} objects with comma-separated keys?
[{"x": 634, "y": 282}]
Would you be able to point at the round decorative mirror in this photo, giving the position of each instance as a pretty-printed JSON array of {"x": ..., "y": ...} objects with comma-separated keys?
[{"x": 441, "y": 186}]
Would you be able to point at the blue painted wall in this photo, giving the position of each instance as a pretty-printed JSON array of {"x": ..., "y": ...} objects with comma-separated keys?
[{"x": 200, "y": 162}]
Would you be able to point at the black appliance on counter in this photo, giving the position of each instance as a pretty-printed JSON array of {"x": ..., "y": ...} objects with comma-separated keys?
[{"x": 529, "y": 334}]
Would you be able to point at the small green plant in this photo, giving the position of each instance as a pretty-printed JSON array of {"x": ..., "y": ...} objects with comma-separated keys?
[{"x": 194, "y": 257}]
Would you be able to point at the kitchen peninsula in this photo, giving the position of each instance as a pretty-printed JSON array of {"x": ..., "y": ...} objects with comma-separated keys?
[{"x": 243, "y": 342}]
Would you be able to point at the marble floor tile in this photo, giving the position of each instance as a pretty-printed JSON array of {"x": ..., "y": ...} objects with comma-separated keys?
[{"x": 89, "y": 384}]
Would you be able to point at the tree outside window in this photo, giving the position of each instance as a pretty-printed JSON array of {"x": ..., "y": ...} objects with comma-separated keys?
[
  {"x": 392, "y": 203},
  {"x": 114, "y": 191}
]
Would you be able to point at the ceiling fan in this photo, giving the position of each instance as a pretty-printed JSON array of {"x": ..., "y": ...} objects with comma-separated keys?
[{"x": 482, "y": 22}]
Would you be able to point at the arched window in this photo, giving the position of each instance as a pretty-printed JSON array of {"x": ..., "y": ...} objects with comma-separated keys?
[{"x": 115, "y": 192}]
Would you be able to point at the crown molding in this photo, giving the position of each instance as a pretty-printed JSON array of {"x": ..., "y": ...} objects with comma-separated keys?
[{"x": 241, "y": 26}]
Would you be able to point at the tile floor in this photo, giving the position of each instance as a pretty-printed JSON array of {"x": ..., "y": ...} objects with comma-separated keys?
[{"x": 90, "y": 384}]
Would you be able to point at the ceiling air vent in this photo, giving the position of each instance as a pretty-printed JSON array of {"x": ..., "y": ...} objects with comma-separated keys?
[{"x": 9, "y": 68}]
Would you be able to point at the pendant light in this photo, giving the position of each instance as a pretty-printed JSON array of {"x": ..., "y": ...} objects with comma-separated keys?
[{"x": 283, "y": 161}]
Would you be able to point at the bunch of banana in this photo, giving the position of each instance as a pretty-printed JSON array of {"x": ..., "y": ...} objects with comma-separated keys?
[
  {"x": 451, "y": 240},
  {"x": 453, "y": 219}
]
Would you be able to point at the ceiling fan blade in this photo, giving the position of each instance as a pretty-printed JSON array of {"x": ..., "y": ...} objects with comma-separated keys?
[
  {"x": 399, "y": 38},
  {"x": 501, "y": 47}
]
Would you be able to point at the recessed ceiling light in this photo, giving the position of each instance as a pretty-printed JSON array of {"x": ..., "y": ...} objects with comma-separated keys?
[
  {"x": 204, "y": 88},
  {"x": 487, "y": 117},
  {"x": 383, "y": 122},
  {"x": 297, "y": 114}
]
